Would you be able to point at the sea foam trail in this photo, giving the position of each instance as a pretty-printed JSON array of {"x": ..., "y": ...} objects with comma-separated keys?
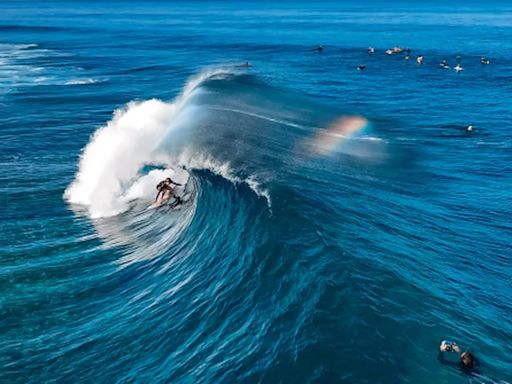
[{"x": 111, "y": 162}]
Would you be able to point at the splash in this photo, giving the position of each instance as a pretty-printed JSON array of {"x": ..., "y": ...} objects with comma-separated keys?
[
  {"x": 111, "y": 162},
  {"x": 84, "y": 81}
]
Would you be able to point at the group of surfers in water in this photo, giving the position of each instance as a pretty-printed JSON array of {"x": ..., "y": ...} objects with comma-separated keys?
[{"x": 419, "y": 59}]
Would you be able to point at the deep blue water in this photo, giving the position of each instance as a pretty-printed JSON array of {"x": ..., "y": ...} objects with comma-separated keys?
[{"x": 337, "y": 225}]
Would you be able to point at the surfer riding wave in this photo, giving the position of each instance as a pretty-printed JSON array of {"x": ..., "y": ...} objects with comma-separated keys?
[{"x": 166, "y": 191}]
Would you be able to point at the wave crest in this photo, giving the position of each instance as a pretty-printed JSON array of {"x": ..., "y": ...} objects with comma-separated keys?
[{"x": 111, "y": 163}]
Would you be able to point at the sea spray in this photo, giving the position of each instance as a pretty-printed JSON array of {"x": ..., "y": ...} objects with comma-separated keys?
[{"x": 115, "y": 155}]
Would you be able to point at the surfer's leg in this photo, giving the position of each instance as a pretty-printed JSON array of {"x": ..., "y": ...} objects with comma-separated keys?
[{"x": 165, "y": 197}]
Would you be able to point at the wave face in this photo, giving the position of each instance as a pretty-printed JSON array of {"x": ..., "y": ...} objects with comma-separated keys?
[{"x": 333, "y": 230}]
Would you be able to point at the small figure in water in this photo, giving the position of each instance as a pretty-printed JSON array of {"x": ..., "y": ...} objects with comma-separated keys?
[
  {"x": 165, "y": 191},
  {"x": 485, "y": 61},
  {"x": 408, "y": 54},
  {"x": 458, "y": 68},
  {"x": 371, "y": 50},
  {"x": 469, "y": 128},
  {"x": 444, "y": 64},
  {"x": 361, "y": 67},
  {"x": 245, "y": 65},
  {"x": 320, "y": 48},
  {"x": 467, "y": 361},
  {"x": 419, "y": 60}
]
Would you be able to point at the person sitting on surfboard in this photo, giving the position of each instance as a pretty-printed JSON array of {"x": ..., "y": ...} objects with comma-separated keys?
[{"x": 165, "y": 191}]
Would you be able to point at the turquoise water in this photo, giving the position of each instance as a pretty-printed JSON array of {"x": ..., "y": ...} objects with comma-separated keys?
[{"x": 337, "y": 223}]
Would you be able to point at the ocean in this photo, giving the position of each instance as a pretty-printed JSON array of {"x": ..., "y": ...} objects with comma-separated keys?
[{"x": 337, "y": 223}]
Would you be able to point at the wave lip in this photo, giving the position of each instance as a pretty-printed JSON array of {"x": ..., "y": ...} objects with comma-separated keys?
[{"x": 201, "y": 161}]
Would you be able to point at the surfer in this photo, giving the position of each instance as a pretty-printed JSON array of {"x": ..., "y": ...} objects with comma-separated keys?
[
  {"x": 371, "y": 50},
  {"x": 467, "y": 361},
  {"x": 419, "y": 59},
  {"x": 485, "y": 61},
  {"x": 165, "y": 191}
]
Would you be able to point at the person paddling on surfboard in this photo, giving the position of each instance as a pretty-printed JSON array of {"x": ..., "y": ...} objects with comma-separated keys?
[{"x": 165, "y": 191}]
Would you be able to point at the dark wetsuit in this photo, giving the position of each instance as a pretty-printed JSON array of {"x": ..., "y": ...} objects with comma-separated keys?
[
  {"x": 165, "y": 186},
  {"x": 473, "y": 371}
]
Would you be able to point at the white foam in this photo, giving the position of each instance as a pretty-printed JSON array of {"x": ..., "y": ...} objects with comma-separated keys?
[
  {"x": 84, "y": 81},
  {"x": 116, "y": 153},
  {"x": 5, "y": 46},
  {"x": 252, "y": 114},
  {"x": 14, "y": 67}
]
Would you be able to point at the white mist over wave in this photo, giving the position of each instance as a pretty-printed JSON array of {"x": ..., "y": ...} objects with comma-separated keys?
[{"x": 109, "y": 175}]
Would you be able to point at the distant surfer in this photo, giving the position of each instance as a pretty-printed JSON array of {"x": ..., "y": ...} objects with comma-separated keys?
[
  {"x": 319, "y": 48},
  {"x": 469, "y": 128},
  {"x": 396, "y": 49},
  {"x": 419, "y": 59},
  {"x": 371, "y": 50},
  {"x": 245, "y": 65},
  {"x": 485, "y": 61},
  {"x": 361, "y": 67},
  {"x": 165, "y": 191}
]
